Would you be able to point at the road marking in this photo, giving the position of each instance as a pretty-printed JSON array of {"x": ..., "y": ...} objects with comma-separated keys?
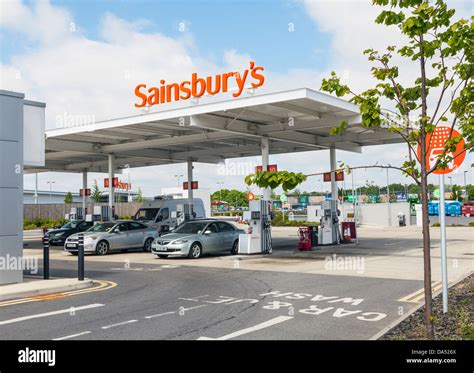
[
  {"x": 159, "y": 314},
  {"x": 192, "y": 308},
  {"x": 418, "y": 295},
  {"x": 263, "y": 325},
  {"x": 103, "y": 285},
  {"x": 136, "y": 269},
  {"x": 194, "y": 299},
  {"x": 119, "y": 324},
  {"x": 71, "y": 336},
  {"x": 39, "y": 315}
]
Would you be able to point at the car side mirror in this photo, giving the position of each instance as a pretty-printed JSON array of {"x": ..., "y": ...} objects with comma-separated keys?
[
  {"x": 116, "y": 230},
  {"x": 207, "y": 232}
]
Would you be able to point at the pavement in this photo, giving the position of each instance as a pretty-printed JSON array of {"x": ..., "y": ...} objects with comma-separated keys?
[{"x": 34, "y": 287}]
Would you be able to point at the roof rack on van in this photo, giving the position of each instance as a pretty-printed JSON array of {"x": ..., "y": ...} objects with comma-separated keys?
[{"x": 157, "y": 198}]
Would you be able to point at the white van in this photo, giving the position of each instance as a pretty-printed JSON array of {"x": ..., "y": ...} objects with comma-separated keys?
[{"x": 165, "y": 212}]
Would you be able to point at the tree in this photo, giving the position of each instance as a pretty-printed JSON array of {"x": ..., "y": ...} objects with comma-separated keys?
[
  {"x": 456, "y": 193},
  {"x": 233, "y": 197},
  {"x": 442, "y": 51},
  {"x": 96, "y": 194},
  {"x": 266, "y": 179},
  {"x": 139, "y": 197},
  {"x": 68, "y": 198}
]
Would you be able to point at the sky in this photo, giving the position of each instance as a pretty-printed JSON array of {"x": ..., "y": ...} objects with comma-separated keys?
[{"x": 85, "y": 58}]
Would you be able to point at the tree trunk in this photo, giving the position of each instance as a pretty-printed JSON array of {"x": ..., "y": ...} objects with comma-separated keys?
[
  {"x": 426, "y": 256},
  {"x": 424, "y": 200}
]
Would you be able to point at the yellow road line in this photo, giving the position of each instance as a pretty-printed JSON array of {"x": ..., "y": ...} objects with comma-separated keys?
[
  {"x": 417, "y": 296},
  {"x": 103, "y": 285}
]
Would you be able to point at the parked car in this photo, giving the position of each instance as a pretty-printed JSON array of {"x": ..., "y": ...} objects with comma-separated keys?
[
  {"x": 58, "y": 236},
  {"x": 197, "y": 237},
  {"x": 115, "y": 235},
  {"x": 468, "y": 209}
]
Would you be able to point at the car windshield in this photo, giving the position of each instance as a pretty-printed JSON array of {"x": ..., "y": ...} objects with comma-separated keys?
[
  {"x": 102, "y": 227},
  {"x": 146, "y": 214},
  {"x": 71, "y": 224},
  {"x": 191, "y": 228}
]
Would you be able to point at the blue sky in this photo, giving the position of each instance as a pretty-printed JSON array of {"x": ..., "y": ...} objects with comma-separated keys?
[{"x": 259, "y": 28}]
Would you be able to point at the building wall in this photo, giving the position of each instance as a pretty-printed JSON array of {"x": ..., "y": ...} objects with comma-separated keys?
[
  {"x": 378, "y": 213},
  {"x": 59, "y": 210},
  {"x": 11, "y": 182},
  {"x": 369, "y": 213},
  {"x": 43, "y": 197}
]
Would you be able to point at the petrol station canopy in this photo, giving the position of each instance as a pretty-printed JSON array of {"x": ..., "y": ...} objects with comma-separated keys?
[{"x": 211, "y": 130}]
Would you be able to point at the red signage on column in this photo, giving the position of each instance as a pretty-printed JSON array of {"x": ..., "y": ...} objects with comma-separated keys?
[
  {"x": 258, "y": 169},
  {"x": 115, "y": 182},
  {"x": 339, "y": 175},
  {"x": 194, "y": 185},
  {"x": 272, "y": 168},
  {"x": 106, "y": 182},
  {"x": 81, "y": 192}
]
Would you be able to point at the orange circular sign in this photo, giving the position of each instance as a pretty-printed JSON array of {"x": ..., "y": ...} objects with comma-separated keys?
[
  {"x": 435, "y": 141},
  {"x": 250, "y": 196}
]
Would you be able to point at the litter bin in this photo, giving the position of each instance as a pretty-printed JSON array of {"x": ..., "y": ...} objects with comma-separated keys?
[
  {"x": 304, "y": 234},
  {"x": 348, "y": 230}
]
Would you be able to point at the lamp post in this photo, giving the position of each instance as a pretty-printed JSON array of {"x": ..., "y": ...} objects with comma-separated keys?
[
  {"x": 127, "y": 167},
  {"x": 465, "y": 187},
  {"x": 220, "y": 190},
  {"x": 50, "y": 188},
  {"x": 179, "y": 177}
]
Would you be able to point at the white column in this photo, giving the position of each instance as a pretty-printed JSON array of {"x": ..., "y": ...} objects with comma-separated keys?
[
  {"x": 333, "y": 165},
  {"x": 444, "y": 259},
  {"x": 190, "y": 180},
  {"x": 36, "y": 188},
  {"x": 111, "y": 186},
  {"x": 389, "y": 208},
  {"x": 265, "y": 160},
  {"x": 84, "y": 198}
]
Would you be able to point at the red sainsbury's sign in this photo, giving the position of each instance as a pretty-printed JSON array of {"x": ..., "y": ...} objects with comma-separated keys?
[{"x": 197, "y": 86}]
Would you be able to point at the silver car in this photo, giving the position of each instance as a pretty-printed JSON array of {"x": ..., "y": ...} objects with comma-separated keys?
[
  {"x": 193, "y": 238},
  {"x": 116, "y": 235}
]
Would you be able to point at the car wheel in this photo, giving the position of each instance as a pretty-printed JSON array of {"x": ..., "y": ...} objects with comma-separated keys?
[
  {"x": 147, "y": 245},
  {"x": 102, "y": 248},
  {"x": 161, "y": 256},
  {"x": 195, "y": 251},
  {"x": 235, "y": 248}
]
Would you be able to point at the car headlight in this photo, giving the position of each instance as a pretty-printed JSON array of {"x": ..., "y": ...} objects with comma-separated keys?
[
  {"x": 60, "y": 234},
  {"x": 90, "y": 238},
  {"x": 179, "y": 242}
]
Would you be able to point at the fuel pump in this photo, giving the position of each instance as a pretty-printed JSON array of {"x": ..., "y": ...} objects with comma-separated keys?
[
  {"x": 101, "y": 213},
  {"x": 329, "y": 228},
  {"x": 259, "y": 238}
]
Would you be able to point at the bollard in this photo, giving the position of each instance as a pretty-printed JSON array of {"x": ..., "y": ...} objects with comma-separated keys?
[
  {"x": 46, "y": 257},
  {"x": 80, "y": 257}
]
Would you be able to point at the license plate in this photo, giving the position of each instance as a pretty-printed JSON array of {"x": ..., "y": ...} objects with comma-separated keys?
[
  {"x": 71, "y": 245},
  {"x": 162, "y": 248}
]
